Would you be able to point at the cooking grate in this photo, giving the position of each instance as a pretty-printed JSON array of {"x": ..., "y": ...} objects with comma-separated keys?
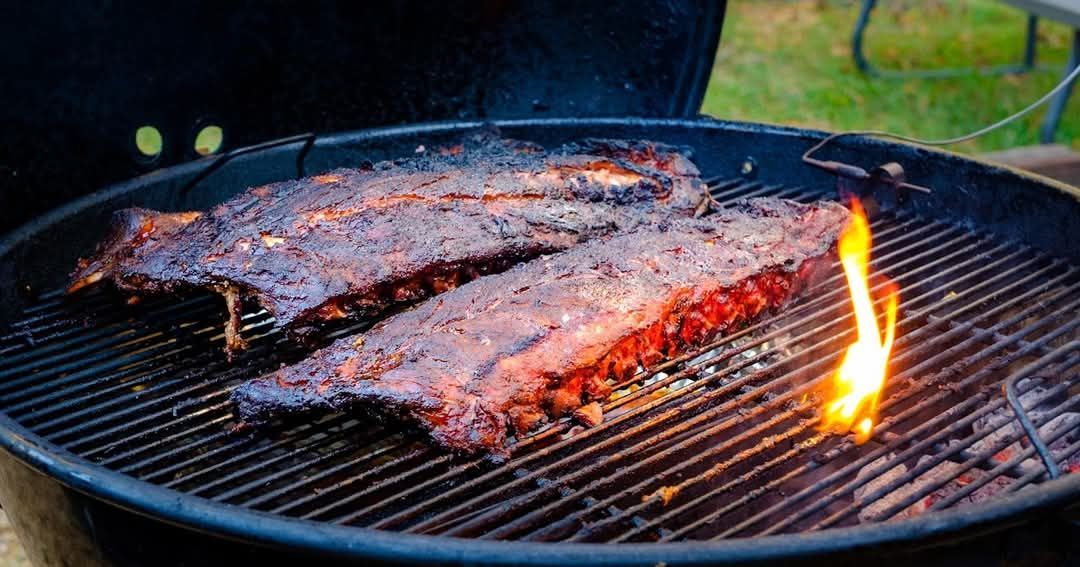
[{"x": 719, "y": 443}]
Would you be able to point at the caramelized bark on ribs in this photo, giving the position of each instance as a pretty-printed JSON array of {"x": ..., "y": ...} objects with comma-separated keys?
[
  {"x": 508, "y": 352},
  {"x": 354, "y": 241}
]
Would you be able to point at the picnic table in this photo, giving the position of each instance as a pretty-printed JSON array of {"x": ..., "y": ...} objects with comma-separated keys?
[{"x": 1065, "y": 11}]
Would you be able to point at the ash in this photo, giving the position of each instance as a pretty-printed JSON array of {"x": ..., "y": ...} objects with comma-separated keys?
[
  {"x": 776, "y": 347},
  {"x": 946, "y": 478},
  {"x": 709, "y": 363}
]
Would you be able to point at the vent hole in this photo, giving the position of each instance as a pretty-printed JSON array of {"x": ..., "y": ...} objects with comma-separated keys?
[
  {"x": 148, "y": 141},
  {"x": 208, "y": 140}
]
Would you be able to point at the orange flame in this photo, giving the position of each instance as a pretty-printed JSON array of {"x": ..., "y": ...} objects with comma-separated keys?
[{"x": 861, "y": 375}]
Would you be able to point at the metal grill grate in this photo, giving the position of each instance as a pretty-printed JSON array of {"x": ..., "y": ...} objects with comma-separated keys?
[{"x": 715, "y": 444}]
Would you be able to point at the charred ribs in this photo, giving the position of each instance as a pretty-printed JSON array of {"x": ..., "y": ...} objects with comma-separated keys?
[
  {"x": 505, "y": 353},
  {"x": 355, "y": 241}
]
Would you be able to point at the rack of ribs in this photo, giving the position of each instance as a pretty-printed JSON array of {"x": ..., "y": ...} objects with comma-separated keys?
[
  {"x": 505, "y": 353},
  {"x": 353, "y": 242}
]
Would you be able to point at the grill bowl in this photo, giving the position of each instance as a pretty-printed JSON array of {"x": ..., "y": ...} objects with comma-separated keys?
[{"x": 67, "y": 497}]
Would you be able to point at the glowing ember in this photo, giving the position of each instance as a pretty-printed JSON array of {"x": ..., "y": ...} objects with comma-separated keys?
[{"x": 861, "y": 375}]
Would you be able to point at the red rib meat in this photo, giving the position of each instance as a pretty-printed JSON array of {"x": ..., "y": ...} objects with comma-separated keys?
[
  {"x": 354, "y": 241},
  {"x": 504, "y": 353}
]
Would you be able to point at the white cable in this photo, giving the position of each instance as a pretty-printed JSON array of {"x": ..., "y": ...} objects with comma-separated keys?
[{"x": 947, "y": 141}]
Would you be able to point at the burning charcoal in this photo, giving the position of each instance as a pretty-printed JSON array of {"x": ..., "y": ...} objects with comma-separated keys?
[
  {"x": 1003, "y": 424},
  {"x": 951, "y": 477},
  {"x": 947, "y": 476},
  {"x": 1013, "y": 429},
  {"x": 958, "y": 480},
  {"x": 874, "y": 511}
]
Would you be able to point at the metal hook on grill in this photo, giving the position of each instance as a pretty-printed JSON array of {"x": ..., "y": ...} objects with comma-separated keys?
[
  {"x": 1029, "y": 428},
  {"x": 308, "y": 139},
  {"x": 858, "y": 174},
  {"x": 853, "y": 179},
  {"x": 1013, "y": 396}
]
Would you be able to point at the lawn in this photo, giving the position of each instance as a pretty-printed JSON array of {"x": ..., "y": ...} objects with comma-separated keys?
[{"x": 789, "y": 62}]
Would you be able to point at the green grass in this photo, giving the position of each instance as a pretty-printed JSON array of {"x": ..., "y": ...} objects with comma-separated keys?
[{"x": 789, "y": 62}]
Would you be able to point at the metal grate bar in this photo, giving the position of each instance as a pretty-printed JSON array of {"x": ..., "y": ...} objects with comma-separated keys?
[
  {"x": 344, "y": 448},
  {"x": 131, "y": 379},
  {"x": 889, "y": 422},
  {"x": 426, "y": 465},
  {"x": 628, "y": 511},
  {"x": 234, "y": 443},
  {"x": 755, "y": 493},
  {"x": 720, "y": 468},
  {"x": 1003, "y": 468},
  {"x": 115, "y": 332},
  {"x": 366, "y": 456},
  {"x": 370, "y": 473},
  {"x": 82, "y": 428},
  {"x": 125, "y": 338},
  {"x": 594, "y": 430},
  {"x": 727, "y": 189},
  {"x": 317, "y": 441},
  {"x": 982, "y": 456},
  {"x": 939, "y": 458},
  {"x": 722, "y": 441},
  {"x": 671, "y": 472},
  {"x": 130, "y": 363},
  {"x": 817, "y": 488},
  {"x": 104, "y": 448},
  {"x": 759, "y": 191},
  {"x": 1032, "y": 432},
  {"x": 587, "y": 470}
]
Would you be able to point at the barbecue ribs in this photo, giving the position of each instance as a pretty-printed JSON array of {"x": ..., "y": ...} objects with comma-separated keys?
[
  {"x": 507, "y": 352},
  {"x": 354, "y": 241}
]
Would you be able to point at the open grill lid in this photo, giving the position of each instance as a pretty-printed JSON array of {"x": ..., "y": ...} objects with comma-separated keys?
[{"x": 80, "y": 79}]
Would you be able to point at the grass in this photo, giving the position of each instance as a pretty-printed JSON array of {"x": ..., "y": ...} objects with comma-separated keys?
[{"x": 789, "y": 62}]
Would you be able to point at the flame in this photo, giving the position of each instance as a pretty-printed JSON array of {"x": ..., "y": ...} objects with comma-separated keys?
[{"x": 861, "y": 375}]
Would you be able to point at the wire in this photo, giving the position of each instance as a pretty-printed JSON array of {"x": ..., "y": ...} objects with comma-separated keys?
[{"x": 947, "y": 141}]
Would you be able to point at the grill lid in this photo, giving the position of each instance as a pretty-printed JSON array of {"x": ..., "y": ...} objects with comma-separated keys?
[{"x": 80, "y": 80}]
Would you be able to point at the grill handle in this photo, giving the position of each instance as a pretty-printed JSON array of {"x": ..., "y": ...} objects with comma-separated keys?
[{"x": 308, "y": 140}]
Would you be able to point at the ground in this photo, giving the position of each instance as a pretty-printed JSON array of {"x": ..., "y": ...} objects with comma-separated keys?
[
  {"x": 11, "y": 553},
  {"x": 789, "y": 62}
]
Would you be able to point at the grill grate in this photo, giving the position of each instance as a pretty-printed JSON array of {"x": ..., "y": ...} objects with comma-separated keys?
[{"x": 719, "y": 443}]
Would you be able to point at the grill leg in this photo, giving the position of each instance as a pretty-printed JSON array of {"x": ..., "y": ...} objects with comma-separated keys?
[
  {"x": 1057, "y": 106},
  {"x": 1029, "y": 42},
  {"x": 857, "y": 39}
]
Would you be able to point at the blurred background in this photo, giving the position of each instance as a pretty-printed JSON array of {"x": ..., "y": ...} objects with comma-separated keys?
[{"x": 790, "y": 62}]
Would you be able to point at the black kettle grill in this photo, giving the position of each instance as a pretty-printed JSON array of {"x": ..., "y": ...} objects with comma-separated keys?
[{"x": 115, "y": 426}]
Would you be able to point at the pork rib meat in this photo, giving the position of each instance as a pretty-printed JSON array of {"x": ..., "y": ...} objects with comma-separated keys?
[
  {"x": 505, "y": 353},
  {"x": 355, "y": 241}
]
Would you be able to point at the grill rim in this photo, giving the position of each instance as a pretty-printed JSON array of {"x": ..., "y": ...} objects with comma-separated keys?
[{"x": 272, "y": 531}]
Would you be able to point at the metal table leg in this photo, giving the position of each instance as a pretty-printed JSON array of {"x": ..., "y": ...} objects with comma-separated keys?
[
  {"x": 864, "y": 65},
  {"x": 1057, "y": 106}
]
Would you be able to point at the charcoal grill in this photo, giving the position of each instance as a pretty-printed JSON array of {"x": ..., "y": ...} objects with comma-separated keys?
[{"x": 119, "y": 444}]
